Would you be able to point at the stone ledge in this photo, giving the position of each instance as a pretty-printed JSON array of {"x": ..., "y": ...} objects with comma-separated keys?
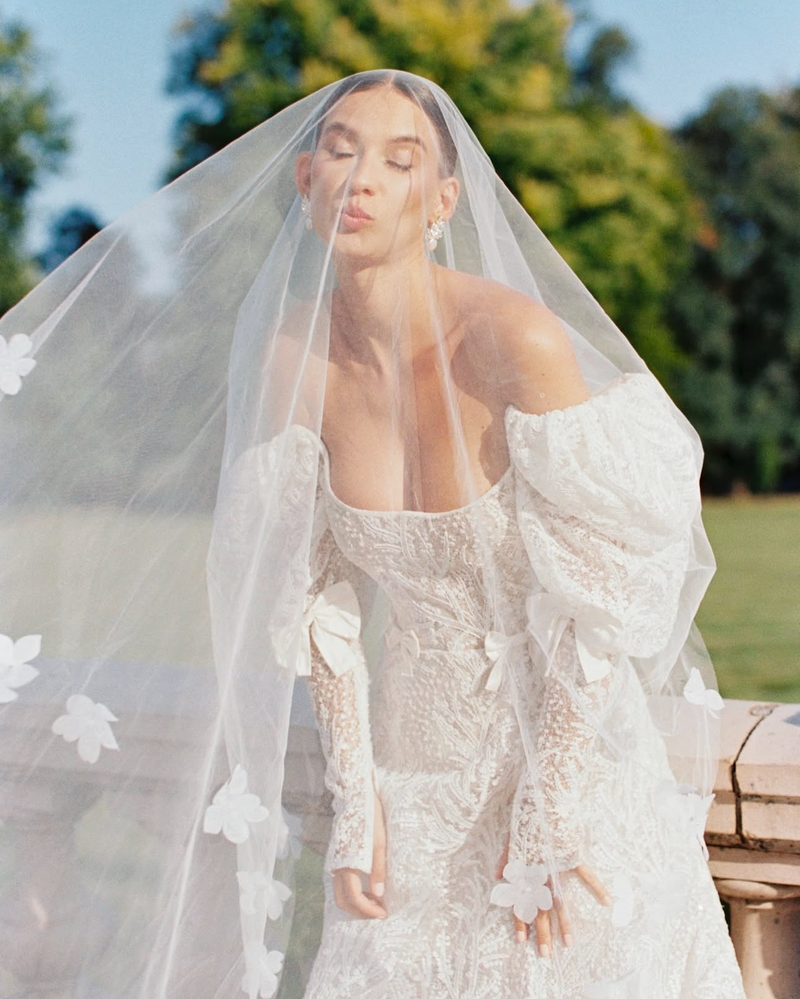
[{"x": 755, "y": 817}]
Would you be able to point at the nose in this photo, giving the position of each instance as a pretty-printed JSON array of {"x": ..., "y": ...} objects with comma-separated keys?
[{"x": 361, "y": 176}]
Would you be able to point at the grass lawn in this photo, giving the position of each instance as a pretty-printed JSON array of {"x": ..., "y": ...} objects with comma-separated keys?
[{"x": 750, "y": 617}]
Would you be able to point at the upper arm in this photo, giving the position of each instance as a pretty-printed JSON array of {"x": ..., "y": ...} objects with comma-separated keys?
[
  {"x": 294, "y": 373},
  {"x": 542, "y": 369}
]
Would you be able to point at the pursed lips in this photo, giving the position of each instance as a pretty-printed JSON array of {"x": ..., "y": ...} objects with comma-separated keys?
[{"x": 354, "y": 219}]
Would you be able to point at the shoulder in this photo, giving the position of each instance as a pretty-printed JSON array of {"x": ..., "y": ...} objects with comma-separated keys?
[
  {"x": 294, "y": 367},
  {"x": 531, "y": 344}
]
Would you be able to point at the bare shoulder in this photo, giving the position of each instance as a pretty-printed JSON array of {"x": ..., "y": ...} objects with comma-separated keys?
[
  {"x": 533, "y": 346},
  {"x": 296, "y": 368}
]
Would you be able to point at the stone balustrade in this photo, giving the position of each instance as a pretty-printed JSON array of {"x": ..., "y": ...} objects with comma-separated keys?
[
  {"x": 753, "y": 829},
  {"x": 753, "y": 838}
]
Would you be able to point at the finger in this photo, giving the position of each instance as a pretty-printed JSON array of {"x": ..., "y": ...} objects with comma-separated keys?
[
  {"x": 503, "y": 858},
  {"x": 589, "y": 878},
  {"x": 377, "y": 878},
  {"x": 348, "y": 895},
  {"x": 564, "y": 922},
  {"x": 543, "y": 935},
  {"x": 520, "y": 929},
  {"x": 352, "y": 899}
]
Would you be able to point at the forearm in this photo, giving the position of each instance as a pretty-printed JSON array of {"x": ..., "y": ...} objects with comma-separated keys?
[
  {"x": 547, "y": 816},
  {"x": 339, "y": 688},
  {"x": 341, "y": 708}
]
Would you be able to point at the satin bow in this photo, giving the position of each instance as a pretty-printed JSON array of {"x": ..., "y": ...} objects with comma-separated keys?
[
  {"x": 405, "y": 639},
  {"x": 332, "y": 619},
  {"x": 596, "y": 631},
  {"x": 498, "y": 648}
]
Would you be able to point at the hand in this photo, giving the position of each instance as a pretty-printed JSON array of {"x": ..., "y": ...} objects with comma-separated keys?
[
  {"x": 347, "y": 892},
  {"x": 541, "y": 922}
]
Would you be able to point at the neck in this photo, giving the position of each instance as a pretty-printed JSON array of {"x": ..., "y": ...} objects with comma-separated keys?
[{"x": 389, "y": 310}]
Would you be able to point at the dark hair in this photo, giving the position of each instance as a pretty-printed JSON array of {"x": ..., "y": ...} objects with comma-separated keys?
[{"x": 410, "y": 86}]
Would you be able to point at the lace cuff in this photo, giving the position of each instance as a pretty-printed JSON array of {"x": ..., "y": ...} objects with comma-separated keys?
[
  {"x": 548, "y": 815},
  {"x": 339, "y": 695}
]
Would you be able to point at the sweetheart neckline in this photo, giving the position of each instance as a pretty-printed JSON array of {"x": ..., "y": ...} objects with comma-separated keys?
[
  {"x": 494, "y": 487},
  {"x": 511, "y": 413}
]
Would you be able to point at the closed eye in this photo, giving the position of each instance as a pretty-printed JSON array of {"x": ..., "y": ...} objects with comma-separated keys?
[{"x": 397, "y": 166}]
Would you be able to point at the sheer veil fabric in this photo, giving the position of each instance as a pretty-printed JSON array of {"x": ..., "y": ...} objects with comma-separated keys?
[{"x": 332, "y": 501}]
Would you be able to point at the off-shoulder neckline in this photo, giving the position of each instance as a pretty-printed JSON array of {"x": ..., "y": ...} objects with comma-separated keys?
[
  {"x": 566, "y": 411},
  {"x": 510, "y": 410},
  {"x": 363, "y": 511}
]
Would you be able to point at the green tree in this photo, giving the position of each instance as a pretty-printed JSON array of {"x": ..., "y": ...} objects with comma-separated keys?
[
  {"x": 73, "y": 227},
  {"x": 738, "y": 314},
  {"x": 600, "y": 179},
  {"x": 33, "y": 140}
]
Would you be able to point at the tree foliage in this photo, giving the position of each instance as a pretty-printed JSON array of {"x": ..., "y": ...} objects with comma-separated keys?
[
  {"x": 73, "y": 227},
  {"x": 33, "y": 141},
  {"x": 739, "y": 311},
  {"x": 689, "y": 240},
  {"x": 599, "y": 178}
]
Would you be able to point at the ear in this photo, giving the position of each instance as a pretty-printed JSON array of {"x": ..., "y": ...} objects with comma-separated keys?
[
  {"x": 302, "y": 172},
  {"x": 448, "y": 197}
]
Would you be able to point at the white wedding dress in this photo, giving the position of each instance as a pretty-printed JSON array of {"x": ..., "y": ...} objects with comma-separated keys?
[{"x": 443, "y": 748}]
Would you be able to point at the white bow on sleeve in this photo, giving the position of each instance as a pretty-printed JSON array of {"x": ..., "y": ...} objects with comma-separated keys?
[
  {"x": 499, "y": 647},
  {"x": 597, "y": 631},
  {"x": 333, "y": 620}
]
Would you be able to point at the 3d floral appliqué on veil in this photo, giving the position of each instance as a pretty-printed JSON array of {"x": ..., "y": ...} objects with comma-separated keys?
[{"x": 350, "y": 561}]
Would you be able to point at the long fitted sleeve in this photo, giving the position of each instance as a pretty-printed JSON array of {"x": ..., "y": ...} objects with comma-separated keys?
[
  {"x": 339, "y": 686},
  {"x": 607, "y": 491}
]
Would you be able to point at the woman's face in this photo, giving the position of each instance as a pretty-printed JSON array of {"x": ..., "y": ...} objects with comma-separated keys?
[{"x": 373, "y": 180}]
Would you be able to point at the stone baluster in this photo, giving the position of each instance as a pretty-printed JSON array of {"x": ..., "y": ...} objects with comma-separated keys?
[{"x": 753, "y": 836}]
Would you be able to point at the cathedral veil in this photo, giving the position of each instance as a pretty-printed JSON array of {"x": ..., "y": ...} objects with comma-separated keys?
[{"x": 327, "y": 315}]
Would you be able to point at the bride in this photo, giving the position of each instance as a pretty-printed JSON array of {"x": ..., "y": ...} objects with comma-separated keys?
[
  {"x": 460, "y": 740},
  {"x": 437, "y": 457}
]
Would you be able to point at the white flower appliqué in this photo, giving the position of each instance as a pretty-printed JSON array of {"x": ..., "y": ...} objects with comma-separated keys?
[
  {"x": 683, "y": 805},
  {"x": 15, "y": 670},
  {"x": 232, "y": 809},
  {"x": 254, "y": 883},
  {"x": 263, "y": 968},
  {"x": 668, "y": 797},
  {"x": 696, "y": 692},
  {"x": 88, "y": 722},
  {"x": 525, "y": 890},
  {"x": 13, "y": 362}
]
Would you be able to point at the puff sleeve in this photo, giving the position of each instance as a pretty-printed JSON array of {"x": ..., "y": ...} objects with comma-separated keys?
[
  {"x": 607, "y": 491},
  {"x": 338, "y": 684},
  {"x": 312, "y": 623}
]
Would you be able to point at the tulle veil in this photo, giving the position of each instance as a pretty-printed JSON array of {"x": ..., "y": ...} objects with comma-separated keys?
[{"x": 164, "y": 431}]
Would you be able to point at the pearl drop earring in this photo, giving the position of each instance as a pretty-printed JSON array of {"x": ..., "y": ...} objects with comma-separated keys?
[
  {"x": 305, "y": 205},
  {"x": 434, "y": 233}
]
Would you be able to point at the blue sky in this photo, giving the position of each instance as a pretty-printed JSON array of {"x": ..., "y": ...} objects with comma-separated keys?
[{"x": 108, "y": 59}]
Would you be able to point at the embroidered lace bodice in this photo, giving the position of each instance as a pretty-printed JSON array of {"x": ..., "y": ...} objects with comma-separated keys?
[
  {"x": 588, "y": 534},
  {"x": 545, "y": 511}
]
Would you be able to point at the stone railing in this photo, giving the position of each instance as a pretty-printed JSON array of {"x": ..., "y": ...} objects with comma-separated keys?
[
  {"x": 753, "y": 838},
  {"x": 753, "y": 829}
]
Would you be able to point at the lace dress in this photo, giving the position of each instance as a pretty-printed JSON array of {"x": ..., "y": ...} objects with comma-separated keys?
[{"x": 434, "y": 733}]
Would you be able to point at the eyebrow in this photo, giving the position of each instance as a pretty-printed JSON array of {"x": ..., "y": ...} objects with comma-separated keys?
[{"x": 342, "y": 129}]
